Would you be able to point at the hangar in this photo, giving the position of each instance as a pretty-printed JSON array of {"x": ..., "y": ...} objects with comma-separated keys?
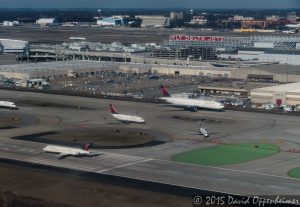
[
  {"x": 287, "y": 94},
  {"x": 153, "y": 21},
  {"x": 47, "y": 21},
  {"x": 46, "y": 70}
]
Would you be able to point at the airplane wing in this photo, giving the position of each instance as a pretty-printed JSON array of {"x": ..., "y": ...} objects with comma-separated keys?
[
  {"x": 62, "y": 156},
  {"x": 125, "y": 121},
  {"x": 95, "y": 154}
]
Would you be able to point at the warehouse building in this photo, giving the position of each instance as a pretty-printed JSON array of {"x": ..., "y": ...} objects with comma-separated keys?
[
  {"x": 46, "y": 70},
  {"x": 47, "y": 22},
  {"x": 287, "y": 94},
  {"x": 153, "y": 21},
  {"x": 18, "y": 47},
  {"x": 291, "y": 57},
  {"x": 110, "y": 21},
  {"x": 14, "y": 46}
]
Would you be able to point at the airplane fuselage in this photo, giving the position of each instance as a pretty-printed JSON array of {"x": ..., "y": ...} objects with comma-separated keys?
[
  {"x": 128, "y": 118},
  {"x": 190, "y": 103},
  {"x": 65, "y": 150},
  {"x": 204, "y": 132},
  {"x": 8, "y": 104}
]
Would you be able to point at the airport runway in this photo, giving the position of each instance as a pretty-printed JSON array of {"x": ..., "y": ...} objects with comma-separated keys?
[
  {"x": 162, "y": 171},
  {"x": 36, "y": 34},
  {"x": 266, "y": 176}
]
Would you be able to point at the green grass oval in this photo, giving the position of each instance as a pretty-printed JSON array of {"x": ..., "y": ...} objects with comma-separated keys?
[
  {"x": 295, "y": 173},
  {"x": 226, "y": 154}
]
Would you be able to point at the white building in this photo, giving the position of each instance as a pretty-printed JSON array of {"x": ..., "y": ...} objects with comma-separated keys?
[
  {"x": 110, "y": 21},
  {"x": 10, "y": 23},
  {"x": 265, "y": 53},
  {"x": 288, "y": 94},
  {"x": 283, "y": 57},
  {"x": 47, "y": 21},
  {"x": 153, "y": 21},
  {"x": 14, "y": 46}
]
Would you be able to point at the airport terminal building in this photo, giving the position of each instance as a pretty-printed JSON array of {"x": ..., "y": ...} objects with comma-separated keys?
[
  {"x": 282, "y": 48},
  {"x": 287, "y": 94}
]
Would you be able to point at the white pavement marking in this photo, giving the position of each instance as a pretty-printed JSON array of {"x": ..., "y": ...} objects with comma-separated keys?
[
  {"x": 278, "y": 187},
  {"x": 63, "y": 164},
  {"x": 119, "y": 158},
  {"x": 124, "y": 165},
  {"x": 112, "y": 161},
  {"x": 232, "y": 170}
]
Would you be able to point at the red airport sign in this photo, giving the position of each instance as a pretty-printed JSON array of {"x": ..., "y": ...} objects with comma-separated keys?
[{"x": 196, "y": 38}]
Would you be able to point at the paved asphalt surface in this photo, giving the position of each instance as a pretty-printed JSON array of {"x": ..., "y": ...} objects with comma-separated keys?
[
  {"x": 266, "y": 176},
  {"x": 36, "y": 34}
]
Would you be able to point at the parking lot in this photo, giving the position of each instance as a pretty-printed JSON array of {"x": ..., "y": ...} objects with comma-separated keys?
[
  {"x": 111, "y": 82},
  {"x": 146, "y": 86}
]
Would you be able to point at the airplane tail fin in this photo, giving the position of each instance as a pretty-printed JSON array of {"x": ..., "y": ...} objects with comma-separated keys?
[
  {"x": 112, "y": 109},
  {"x": 86, "y": 147},
  {"x": 164, "y": 91}
]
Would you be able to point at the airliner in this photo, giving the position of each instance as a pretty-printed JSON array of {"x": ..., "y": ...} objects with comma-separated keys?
[
  {"x": 70, "y": 151},
  {"x": 203, "y": 131},
  {"x": 190, "y": 104},
  {"x": 8, "y": 104},
  {"x": 125, "y": 118}
]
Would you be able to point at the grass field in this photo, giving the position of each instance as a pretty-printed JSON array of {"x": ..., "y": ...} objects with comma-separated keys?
[
  {"x": 227, "y": 154},
  {"x": 295, "y": 173}
]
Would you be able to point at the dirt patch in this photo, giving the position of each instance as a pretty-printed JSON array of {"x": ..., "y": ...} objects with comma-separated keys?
[
  {"x": 9, "y": 199},
  {"x": 51, "y": 187},
  {"x": 100, "y": 138},
  {"x": 9, "y": 121}
]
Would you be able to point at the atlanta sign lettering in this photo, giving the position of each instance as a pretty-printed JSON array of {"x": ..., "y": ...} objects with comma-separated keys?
[{"x": 196, "y": 38}]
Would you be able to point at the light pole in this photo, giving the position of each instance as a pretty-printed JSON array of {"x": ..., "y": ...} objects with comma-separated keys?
[{"x": 287, "y": 70}]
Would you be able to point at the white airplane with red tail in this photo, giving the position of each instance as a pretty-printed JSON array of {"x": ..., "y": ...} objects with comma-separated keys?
[
  {"x": 189, "y": 103},
  {"x": 70, "y": 151},
  {"x": 124, "y": 117}
]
